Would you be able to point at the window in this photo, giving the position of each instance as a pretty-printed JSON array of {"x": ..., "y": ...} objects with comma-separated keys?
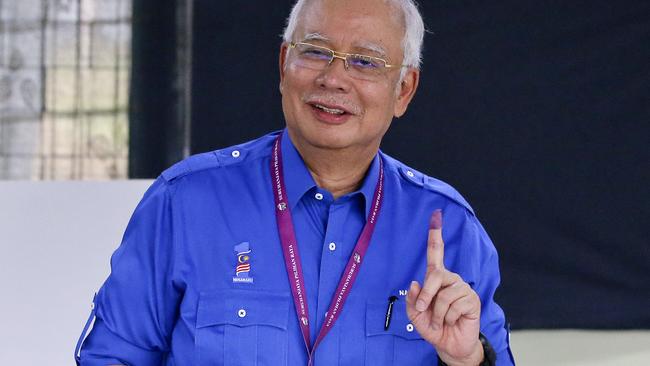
[{"x": 64, "y": 78}]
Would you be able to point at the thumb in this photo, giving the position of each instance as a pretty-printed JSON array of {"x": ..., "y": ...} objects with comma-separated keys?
[{"x": 411, "y": 297}]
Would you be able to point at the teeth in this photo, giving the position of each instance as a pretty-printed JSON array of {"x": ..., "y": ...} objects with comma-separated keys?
[{"x": 329, "y": 110}]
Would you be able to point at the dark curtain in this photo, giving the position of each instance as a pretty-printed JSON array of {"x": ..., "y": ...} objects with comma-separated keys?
[{"x": 536, "y": 111}]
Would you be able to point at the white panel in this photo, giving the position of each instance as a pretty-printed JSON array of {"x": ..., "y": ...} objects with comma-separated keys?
[{"x": 56, "y": 239}]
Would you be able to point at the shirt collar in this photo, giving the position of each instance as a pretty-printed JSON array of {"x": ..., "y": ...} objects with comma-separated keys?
[
  {"x": 299, "y": 180},
  {"x": 369, "y": 183}
]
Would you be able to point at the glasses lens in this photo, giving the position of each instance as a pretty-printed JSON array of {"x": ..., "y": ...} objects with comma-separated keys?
[
  {"x": 359, "y": 66},
  {"x": 366, "y": 63},
  {"x": 312, "y": 57},
  {"x": 366, "y": 67}
]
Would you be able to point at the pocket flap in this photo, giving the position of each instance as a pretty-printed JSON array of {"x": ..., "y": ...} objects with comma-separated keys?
[
  {"x": 400, "y": 325},
  {"x": 243, "y": 308}
]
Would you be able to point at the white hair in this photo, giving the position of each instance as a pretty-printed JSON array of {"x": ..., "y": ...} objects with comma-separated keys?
[{"x": 413, "y": 32}]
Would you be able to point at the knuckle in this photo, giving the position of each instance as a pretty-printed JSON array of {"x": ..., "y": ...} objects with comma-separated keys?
[
  {"x": 456, "y": 277},
  {"x": 465, "y": 288},
  {"x": 444, "y": 298},
  {"x": 426, "y": 294},
  {"x": 436, "y": 242},
  {"x": 451, "y": 319},
  {"x": 476, "y": 299},
  {"x": 457, "y": 285}
]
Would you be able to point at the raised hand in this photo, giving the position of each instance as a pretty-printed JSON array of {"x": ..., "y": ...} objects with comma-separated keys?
[{"x": 445, "y": 310}]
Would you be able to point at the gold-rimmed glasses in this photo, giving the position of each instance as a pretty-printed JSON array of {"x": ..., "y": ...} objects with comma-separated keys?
[{"x": 362, "y": 67}]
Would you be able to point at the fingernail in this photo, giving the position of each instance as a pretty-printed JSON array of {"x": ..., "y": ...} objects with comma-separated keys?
[
  {"x": 436, "y": 220},
  {"x": 420, "y": 305},
  {"x": 414, "y": 285}
]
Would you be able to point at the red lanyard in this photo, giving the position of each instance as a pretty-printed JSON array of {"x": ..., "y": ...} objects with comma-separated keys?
[{"x": 292, "y": 257}]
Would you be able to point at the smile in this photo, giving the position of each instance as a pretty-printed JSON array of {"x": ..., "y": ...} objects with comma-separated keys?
[{"x": 335, "y": 111}]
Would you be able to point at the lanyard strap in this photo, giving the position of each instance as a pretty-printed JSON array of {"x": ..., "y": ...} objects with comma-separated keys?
[{"x": 292, "y": 257}]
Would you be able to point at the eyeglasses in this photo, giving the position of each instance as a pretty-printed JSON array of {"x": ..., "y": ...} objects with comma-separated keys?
[{"x": 361, "y": 67}]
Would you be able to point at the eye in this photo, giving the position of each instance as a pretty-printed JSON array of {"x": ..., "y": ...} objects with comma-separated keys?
[
  {"x": 364, "y": 62},
  {"x": 315, "y": 52}
]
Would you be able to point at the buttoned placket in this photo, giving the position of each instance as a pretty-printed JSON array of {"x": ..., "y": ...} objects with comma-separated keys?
[{"x": 345, "y": 217}]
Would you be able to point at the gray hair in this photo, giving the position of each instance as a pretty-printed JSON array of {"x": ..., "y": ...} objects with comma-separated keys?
[{"x": 413, "y": 34}]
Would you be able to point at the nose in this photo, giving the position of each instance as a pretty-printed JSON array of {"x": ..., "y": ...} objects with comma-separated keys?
[{"x": 334, "y": 76}]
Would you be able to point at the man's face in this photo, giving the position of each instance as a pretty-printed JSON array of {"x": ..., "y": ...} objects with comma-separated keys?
[{"x": 352, "y": 26}]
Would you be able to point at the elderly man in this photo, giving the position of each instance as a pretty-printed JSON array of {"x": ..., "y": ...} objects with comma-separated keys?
[{"x": 306, "y": 246}]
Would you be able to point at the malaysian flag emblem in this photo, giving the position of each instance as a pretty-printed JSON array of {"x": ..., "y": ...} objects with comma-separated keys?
[{"x": 243, "y": 263}]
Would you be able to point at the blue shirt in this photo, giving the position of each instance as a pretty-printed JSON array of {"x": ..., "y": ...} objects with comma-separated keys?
[{"x": 173, "y": 296}]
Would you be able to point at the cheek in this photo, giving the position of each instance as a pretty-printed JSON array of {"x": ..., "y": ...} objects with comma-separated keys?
[
  {"x": 379, "y": 100},
  {"x": 297, "y": 76},
  {"x": 290, "y": 69},
  {"x": 295, "y": 85}
]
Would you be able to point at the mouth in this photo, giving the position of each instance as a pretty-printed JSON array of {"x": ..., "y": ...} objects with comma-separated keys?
[
  {"x": 330, "y": 114},
  {"x": 332, "y": 110},
  {"x": 335, "y": 111}
]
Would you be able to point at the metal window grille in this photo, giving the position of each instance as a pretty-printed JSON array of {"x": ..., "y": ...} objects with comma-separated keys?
[{"x": 64, "y": 77}]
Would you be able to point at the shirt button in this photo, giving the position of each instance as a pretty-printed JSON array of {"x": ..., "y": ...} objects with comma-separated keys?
[
  {"x": 241, "y": 313},
  {"x": 332, "y": 246},
  {"x": 318, "y": 196},
  {"x": 409, "y": 327},
  {"x": 235, "y": 153},
  {"x": 410, "y": 173}
]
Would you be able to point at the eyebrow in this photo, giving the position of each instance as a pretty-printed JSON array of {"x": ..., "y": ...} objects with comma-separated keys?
[
  {"x": 374, "y": 48},
  {"x": 316, "y": 37},
  {"x": 368, "y": 46}
]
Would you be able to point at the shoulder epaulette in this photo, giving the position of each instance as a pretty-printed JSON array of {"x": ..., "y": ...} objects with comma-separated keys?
[
  {"x": 191, "y": 164},
  {"x": 435, "y": 185},
  {"x": 217, "y": 158}
]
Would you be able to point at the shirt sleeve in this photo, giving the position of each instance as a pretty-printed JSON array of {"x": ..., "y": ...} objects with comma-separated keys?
[
  {"x": 493, "y": 323},
  {"x": 137, "y": 306}
]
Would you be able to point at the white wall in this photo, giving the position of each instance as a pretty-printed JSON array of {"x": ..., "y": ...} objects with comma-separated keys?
[
  {"x": 581, "y": 348},
  {"x": 56, "y": 239}
]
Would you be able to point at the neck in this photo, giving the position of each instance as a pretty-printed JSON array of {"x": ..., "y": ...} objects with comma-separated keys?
[{"x": 339, "y": 171}]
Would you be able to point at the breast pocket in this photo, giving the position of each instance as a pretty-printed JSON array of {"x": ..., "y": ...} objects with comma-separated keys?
[
  {"x": 242, "y": 327},
  {"x": 400, "y": 344}
]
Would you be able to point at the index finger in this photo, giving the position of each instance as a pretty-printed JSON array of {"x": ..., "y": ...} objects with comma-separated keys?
[{"x": 435, "y": 245}]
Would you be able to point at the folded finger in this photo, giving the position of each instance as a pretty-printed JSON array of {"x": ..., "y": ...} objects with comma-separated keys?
[
  {"x": 466, "y": 306},
  {"x": 444, "y": 300}
]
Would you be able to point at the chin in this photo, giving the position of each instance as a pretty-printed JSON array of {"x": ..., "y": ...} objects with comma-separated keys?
[
  {"x": 329, "y": 140},
  {"x": 325, "y": 138}
]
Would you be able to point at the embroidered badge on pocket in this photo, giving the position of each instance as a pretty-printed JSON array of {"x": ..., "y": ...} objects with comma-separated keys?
[{"x": 243, "y": 263}]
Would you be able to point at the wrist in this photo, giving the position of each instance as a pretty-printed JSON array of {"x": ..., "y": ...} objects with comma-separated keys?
[
  {"x": 484, "y": 356},
  {"x": 473, "y": 359}
]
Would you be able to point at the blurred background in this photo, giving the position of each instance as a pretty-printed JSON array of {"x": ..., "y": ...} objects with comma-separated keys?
[
  {"x": 538, "y": 112},
  {"x": 64, "y": 89}
]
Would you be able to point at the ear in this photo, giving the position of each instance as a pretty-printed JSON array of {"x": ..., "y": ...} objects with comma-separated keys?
[
  {"x": 406, "y": 91},
  {"x": 282, "y": 62}
]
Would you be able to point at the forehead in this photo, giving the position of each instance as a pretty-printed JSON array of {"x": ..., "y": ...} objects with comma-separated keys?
[{"x": 353, "y": 23}]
